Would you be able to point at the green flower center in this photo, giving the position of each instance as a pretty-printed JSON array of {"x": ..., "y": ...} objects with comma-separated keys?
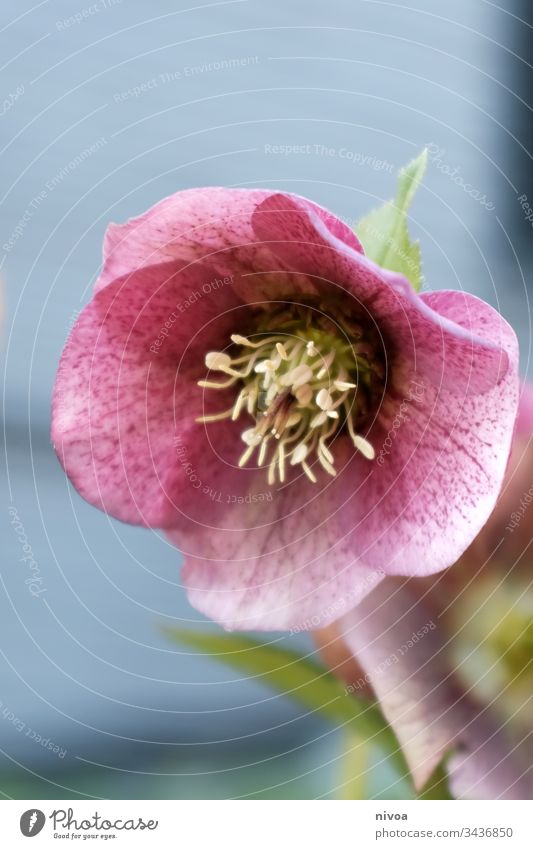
[{"x": 303, "y": 378}]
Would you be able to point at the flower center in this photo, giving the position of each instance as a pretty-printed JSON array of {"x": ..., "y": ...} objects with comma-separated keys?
[{"x": 303, "y": 378}]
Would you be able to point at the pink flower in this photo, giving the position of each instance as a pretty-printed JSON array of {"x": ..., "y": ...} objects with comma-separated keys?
[
  {"x": 449, "y": 657},
  {"x": 360, "y": 430}
]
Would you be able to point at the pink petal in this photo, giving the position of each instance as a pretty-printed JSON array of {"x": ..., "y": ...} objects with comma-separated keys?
[
  {"x": 398, "y": 641},
  {"x": 212, "y": 224},
  {"x": 278, "y": 561},
  {"x": 444, "y": 350},
  {"x": 269, "y": 593},
  {"x": 409, "y": 680},
  {"x": 524, "y": 422},
  {"x": 119, "y": 403},
  {"x": 489, "y": 765},
  {"x": 506, "y": 537},
  {"x": 440, "y": 463}
]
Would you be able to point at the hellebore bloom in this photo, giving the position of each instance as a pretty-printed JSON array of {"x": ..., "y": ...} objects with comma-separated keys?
[
  {"x": 450, "y": 657},
  {"x": 297, "y": 419}
]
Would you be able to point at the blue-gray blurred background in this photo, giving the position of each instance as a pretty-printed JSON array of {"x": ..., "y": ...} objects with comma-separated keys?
[{"x": 107, "y": 107}]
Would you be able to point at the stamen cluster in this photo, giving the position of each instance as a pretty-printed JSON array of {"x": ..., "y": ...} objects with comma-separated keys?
[{"x": 302, "y": 385}]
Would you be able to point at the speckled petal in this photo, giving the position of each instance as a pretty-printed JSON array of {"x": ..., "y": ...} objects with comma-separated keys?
[
  {"x": 506, "y": 537},
  {"x": 524, "y": 422},
  {"x": 445, "y": 351},
  {"x": 271, "y": 558},
  {"x": 440, "y": 461},
  {"x": 212, "y": 225},
  {"x": 120, "y": 403}
]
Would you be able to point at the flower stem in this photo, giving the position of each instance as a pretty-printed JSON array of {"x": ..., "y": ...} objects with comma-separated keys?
[{"x": 355, "y": 765}]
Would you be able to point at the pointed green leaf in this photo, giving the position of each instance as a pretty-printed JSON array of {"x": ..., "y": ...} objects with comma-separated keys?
[
  {"x": 299, "y": 678},
  {"x": 383, "y": 232}
]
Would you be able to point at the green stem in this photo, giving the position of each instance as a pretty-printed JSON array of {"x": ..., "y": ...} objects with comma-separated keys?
[{"x": 355, "y": 765}]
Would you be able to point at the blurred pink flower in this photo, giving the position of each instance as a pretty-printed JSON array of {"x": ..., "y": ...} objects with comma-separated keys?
[
  {"x": 359, "y": 429},
  {"x": 450, "y": 657}
]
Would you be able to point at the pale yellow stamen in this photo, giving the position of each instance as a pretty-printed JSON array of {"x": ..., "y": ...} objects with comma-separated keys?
[
  {"x": 217, "y": 417},
  {"x": 239, "y": 403},
  {"x": 262, "y": 451},
  {"x": 251, "y": 437},
  {"x": 297, "y": 376},
  {"x": 299, "y": 454},
  {"x": 327, "y": 363},
  {"x": 364, "y": 446},
  {"x": 326, "y": 465},
  {"x": 293, "y": 419},
  {"x": 324, "y": 400},
  {"x": 281, "y": 461},
  {"x": 319, "y": 419},
  {"x": 308, "y": 472},
  {"x": 246, "y": 456},
  {"x": 271, "y": 474},
  {"x": 242, "y": 340},
  {"x": 304, "y": 394},
  {"x": 264, "y": 366},
  {"x": 294, "y": 387},
  {"x": 217, "y": 361},
  {"x": 325, "y": 450},
  {"x": 214, "y": 384}
]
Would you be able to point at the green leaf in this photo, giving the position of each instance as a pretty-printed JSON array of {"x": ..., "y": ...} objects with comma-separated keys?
[
  {"x": 383, "y": 232},
  {"x": 437, "y": 786},
  {"x": 299, "y": 678}
]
